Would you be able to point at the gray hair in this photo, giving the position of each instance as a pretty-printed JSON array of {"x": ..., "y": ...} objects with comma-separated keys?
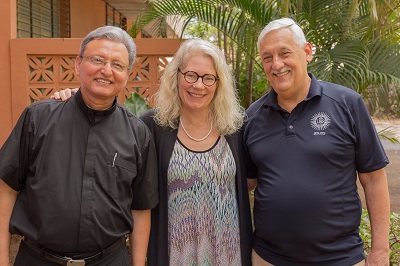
[
  {"x": 114, "y": 34},
  {"x": 297, "y": 32}
]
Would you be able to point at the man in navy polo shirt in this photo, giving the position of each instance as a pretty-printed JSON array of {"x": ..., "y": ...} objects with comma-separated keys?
[{"x": 306, "y": 141}]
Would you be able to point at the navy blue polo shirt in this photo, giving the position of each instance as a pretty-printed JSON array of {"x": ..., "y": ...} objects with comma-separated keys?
[{"x": 307, "y": 209}]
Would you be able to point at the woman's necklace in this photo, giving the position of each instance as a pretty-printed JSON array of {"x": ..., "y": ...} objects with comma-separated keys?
[{"x": 198, "y": 140}]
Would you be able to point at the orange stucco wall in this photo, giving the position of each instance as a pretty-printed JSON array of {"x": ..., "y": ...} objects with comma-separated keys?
[
  {"x": 41, "y": 66},
  {"x": 86, "y": 16},
  {"x": 7, "y": 31},
  {"x": 15, "y": 68}
]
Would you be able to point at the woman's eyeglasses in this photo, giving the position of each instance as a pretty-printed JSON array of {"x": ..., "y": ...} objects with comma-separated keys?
[{"x": 191, "y": 77}]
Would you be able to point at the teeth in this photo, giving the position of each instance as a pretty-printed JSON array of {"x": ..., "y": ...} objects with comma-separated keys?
[
  {"x": 282, "y": 73},
  {"x": 104, "y": 81},
  {"x": 196, "y": 95}
]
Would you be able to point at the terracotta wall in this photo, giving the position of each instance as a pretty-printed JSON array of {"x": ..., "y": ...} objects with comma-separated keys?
[
  {"x": 86, "y": 16},
  {"x": 7, "y": 32},
  {"x": 41, "y": 66},
  {"x": 22, "y": 59}
]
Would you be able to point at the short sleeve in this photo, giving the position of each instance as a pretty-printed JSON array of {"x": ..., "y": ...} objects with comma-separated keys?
[
  {"x": 370, "y": 154},
  {"x": 145, "y": 185},
  {"x": 14, "y": 155}
]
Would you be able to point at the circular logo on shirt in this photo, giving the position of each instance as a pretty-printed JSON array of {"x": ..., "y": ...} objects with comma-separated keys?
[{"x": 320, "y": 121}]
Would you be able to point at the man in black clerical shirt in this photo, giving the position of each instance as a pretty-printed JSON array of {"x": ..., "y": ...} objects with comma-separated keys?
[{"x": 78, "y": 176}]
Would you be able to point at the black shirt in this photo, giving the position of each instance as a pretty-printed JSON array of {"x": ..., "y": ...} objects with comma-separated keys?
[{"x": 79, "y": 173}]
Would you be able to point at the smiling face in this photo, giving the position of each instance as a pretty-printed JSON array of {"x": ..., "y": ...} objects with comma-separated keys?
[
  {"x": 101, "y": 83},
  {"x": 197, "y": 96},
  {"x": 285, "y": 62}
]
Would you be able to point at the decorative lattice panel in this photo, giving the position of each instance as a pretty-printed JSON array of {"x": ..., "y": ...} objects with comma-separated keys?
[
  {"x": 67, "y": 71},
  {"x": 41, "y": 69},
  {"x": 51, "y": 73}
]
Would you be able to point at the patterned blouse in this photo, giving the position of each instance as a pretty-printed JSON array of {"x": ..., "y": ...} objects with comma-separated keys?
[{"x": 203, "y": 216}]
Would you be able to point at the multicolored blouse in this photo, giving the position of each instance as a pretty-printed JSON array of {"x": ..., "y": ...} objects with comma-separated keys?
[{"x": 203, "y": 216}]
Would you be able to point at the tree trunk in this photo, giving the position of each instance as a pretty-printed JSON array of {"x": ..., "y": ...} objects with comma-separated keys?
[{"x": 250, "y": 84}]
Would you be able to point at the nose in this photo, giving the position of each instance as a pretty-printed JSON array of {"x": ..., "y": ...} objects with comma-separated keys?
[
  {"x": 106, "y": 68},
  {"x": 199, "y": 83},
  {"x": 277, "y": 63}
]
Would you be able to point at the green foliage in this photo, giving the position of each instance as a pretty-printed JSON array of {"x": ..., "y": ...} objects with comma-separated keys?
[
  {"x": 136, "y": 104},
  {"x": 356, "y": 49},
  {"x": 354, "y": 46},
  {"x": 394, "y": 236},
  {"x": 238, "y": 23},
  {"x": 199, "y": 29},
  {"x": 260, "y": 84}
]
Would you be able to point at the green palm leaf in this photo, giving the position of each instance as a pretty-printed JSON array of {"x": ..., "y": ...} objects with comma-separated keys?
[{"x": 356, "y": 41}]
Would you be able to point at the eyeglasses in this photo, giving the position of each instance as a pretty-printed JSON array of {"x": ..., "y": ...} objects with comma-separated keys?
[
  {"x": 191, "y": 77},
  {"x": 101, "y": 62}
]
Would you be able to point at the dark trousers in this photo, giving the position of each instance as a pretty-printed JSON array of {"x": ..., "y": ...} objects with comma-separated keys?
[{"x": 28, "y": 257}]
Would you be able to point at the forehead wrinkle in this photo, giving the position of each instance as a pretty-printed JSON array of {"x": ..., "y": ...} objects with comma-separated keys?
[{"x": 271, "y": 51}]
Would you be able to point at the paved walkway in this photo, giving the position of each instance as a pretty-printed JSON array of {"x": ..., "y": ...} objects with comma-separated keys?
[
  {"x": 391, "y": 128},
  {"x": 393, "y": 169}
]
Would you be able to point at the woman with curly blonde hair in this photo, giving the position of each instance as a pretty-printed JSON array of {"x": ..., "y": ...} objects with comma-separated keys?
[
  {"x": 203, "y": 217},
  {"x": 225, "y": 110}
]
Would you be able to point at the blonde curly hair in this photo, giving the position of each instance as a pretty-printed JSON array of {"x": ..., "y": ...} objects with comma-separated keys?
[{"x": 226, "y": 112}]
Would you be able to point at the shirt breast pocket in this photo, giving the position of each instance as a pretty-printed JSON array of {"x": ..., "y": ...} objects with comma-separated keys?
[{"x": 120, "y": 176}]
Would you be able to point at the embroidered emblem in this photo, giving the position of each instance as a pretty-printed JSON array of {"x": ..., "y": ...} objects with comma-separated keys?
[{"x": 320, "y": 121}]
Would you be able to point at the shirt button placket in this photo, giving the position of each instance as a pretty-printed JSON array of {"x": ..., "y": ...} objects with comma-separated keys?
[{"x": 290, "y": 130}]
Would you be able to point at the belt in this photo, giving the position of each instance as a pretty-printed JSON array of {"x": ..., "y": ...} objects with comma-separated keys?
[{"x": 66, "y": 259}]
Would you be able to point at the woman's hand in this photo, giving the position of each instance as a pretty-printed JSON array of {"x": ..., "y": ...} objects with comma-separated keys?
[{"x": 64, "y": 94}]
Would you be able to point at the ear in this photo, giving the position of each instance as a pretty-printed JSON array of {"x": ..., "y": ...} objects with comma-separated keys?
[
  {"x": 130, "y": 72},
  {"x": 77, "y": 65},
  {"x": 308, "y": 51}
]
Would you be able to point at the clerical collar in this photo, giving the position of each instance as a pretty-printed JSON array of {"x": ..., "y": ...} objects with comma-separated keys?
[{"x": 90, "y": 113}]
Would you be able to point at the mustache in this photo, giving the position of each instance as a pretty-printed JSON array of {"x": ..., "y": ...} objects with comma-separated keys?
[{"x": 284, "y": 69}]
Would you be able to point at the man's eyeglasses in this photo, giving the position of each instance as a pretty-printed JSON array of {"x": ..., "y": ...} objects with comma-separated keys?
[
  {"x": 101, "y": 62},
  {"x": 191, "y": 77}
]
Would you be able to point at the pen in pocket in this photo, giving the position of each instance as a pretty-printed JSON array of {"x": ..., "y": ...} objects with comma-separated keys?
[{"x": 115, "y": 156}]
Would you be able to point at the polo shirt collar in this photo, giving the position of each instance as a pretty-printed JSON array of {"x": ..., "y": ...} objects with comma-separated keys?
[
  {"x": 91, "y": 115},
  {"x": 315, "y": 87},
  {"x": 315, "y": 91}
]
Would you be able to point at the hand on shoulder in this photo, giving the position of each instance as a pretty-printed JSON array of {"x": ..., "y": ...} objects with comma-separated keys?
[{"x": 64, "y": 94}]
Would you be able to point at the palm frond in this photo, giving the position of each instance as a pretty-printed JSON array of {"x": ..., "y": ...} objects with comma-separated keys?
[
  {"x": 356, "y": 41},
  {"x": 240, "y": 20},
  {"x": 344, "y": 64}
]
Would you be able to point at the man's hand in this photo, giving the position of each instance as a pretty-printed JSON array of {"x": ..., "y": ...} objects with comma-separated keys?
[
  {"x": 8, "y": 197},
  {"x": 64, "y": 94},
  {"x": 378, "y": 259}
]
